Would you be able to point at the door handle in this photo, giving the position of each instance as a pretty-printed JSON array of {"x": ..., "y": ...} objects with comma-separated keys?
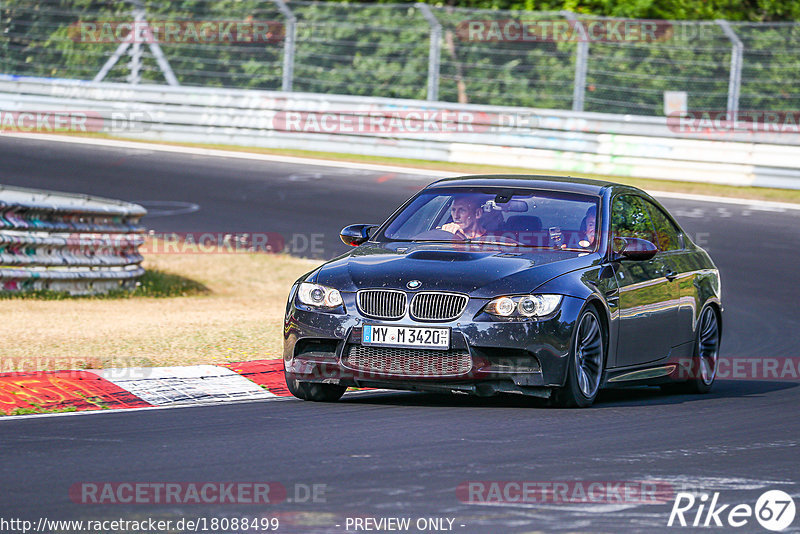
[{"x": 670, "y": 274}]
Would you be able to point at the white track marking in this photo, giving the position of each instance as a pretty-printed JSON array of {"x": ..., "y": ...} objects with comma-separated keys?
[
  {"x": 11, "y": 418},
  {"x": 163, "y": 386},
  {"x": 153, "y": 147}
]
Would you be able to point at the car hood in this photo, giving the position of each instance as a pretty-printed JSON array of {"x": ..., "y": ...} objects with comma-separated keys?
[{"x": 480, "y": 271}]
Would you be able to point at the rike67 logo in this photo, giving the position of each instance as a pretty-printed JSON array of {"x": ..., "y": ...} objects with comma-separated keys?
[{"x": 774, "y": 510}]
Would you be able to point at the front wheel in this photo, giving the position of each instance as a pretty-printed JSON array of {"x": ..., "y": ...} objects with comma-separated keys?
[
  {"x": 585, "y": 366},
  {"x": 313, "y": 391}
]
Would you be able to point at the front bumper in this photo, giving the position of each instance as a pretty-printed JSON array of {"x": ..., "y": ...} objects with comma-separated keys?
[{"x": 528, "y": 357}]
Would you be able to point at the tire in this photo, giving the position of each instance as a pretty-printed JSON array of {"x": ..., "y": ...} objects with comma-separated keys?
[
  {"x": 585, "y": 365},
  {"x": 705, "y": 358},
  {"x": 314, "y": 391}
]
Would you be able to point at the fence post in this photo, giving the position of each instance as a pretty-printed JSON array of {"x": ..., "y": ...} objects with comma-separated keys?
[
  {"x": 135, "y": 64},
  {"x": 434, "y": 52},
  {"x": 735, "y": 80},
  {"x": 288, "y": 45},
  {"x": 581, "y": 62}
]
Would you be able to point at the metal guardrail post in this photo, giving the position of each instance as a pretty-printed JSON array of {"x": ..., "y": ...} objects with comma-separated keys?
[
  {"x": 735, "y": 80},
  {"x": 289, "y": 43},
  {"x": 581, "y": 62},
  {"x": 435, "y": 51}
]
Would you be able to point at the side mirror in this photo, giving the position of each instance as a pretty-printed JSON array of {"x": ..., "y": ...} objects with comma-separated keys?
[
  {"x": 633, "y": 248},
  {"x": 356, "y": 234}
]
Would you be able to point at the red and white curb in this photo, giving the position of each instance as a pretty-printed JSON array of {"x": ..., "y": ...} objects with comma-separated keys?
[{"x": 141, "y": 387}]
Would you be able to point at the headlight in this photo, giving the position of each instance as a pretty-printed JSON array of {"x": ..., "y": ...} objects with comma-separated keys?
[
  {"x": 524, "y": 306},
  {"x": 319, "y": 296},
  {"x": 503, "y": 307}
]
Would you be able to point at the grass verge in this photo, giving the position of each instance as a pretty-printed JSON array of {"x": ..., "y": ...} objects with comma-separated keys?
[
  {"x": 153, "y": 283},
  {"x": 229, "y": 307}
]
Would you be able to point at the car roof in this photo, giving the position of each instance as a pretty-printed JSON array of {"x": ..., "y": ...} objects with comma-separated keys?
[{"x": 530, "y": 181}]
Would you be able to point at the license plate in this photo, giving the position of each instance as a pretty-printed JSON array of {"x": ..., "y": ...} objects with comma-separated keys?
[{"x": 406, "y": 336}]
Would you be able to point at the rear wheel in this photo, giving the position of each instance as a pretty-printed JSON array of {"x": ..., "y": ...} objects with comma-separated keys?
[
  {"x": 703, "y": 369},
  {"x": 314, "y": 391},
  {"x": 585, "y": 366}
]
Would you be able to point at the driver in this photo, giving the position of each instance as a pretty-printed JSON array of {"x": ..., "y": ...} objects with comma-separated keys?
[{"x": 466, "y": 212}]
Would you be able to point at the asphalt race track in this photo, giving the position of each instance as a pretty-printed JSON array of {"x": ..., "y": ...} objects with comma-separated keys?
[{"x": 384, "y": 454}]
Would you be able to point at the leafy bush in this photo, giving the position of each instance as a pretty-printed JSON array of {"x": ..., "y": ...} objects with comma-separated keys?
[{"x": 382, "y": 50}]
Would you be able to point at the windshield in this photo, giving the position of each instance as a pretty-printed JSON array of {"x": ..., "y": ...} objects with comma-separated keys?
[{"x": 510, "y": 217}]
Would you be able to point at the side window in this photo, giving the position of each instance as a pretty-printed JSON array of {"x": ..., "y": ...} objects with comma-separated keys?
[
  {"x": 629, "y": 218},
  {"x": 667, "y": 234}
]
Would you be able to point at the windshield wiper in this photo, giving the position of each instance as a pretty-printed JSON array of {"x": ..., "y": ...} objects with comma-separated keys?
[
  {"x": 498, "y": 244},
  {"x": 429, "y": 241},
  {"x": 493, "y": 243}
]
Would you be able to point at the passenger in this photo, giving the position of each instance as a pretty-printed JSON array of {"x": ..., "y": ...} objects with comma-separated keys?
[
  {"x": 466, "y": 212},
  {"x": 588, "y": 227}
]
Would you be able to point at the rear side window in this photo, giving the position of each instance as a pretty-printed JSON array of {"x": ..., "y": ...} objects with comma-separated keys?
[
  {"x": 667, "y": 234},
  {"x": 630, "y": 218}
]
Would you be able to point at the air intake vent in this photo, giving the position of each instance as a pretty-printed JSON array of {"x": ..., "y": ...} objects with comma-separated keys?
[
  {"x": 382, "y": 303},
  {"x": 435, "y": 306},
  {"x": 407, "y": 362}
]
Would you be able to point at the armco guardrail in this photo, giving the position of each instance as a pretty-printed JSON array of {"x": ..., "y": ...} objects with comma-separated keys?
[
  {"x": 608, "y": 144},
  {"x": 63, "y": 242}
]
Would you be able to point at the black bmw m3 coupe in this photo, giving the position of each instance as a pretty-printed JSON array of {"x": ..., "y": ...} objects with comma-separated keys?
[{"x": 535, "y": 285}]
